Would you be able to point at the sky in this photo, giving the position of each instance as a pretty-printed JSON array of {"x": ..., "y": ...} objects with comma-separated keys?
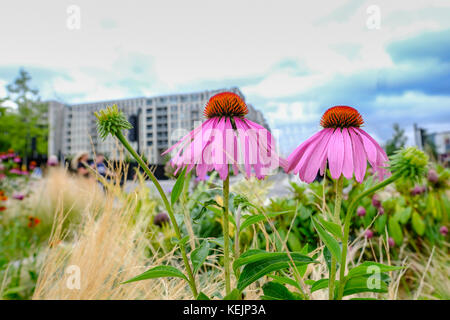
[{"x": 291, "y": 59}]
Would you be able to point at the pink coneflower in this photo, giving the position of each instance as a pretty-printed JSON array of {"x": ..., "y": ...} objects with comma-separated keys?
[
  {"x": 361, "y": 211},
  {"x": 391, "y": 242},
  {"x": 18, "y": 196},
  {"x": 368, "y": 234},
  {"x": 376, "y": 201},
  {"x": 160, "y": 219},
  {"x": 342, "y": 143},
  {"x": 443, "y": 230},
  {"x": 418, "y": 190},
  {"x": 226, "y": 138},
  {"x": 433, "y": 176},
  {"x": 15, "y": 171},
  {"x": 17, "y": 160}
]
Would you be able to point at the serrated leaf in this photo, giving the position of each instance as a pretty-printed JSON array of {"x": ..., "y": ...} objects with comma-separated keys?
[
  {"x": 285, "y": 280},
  {"x": 404, "y": 215},
  {"x": 395, "y": 231},
  {"x": 158, "y": 272},
  {"x": 328, "y": 240},
  {"x": 418, "y": 224},
  {"x": 362, "y": 269},
  {"x": 331, "y": 227},
  {"x": 181, "y": 242},
  {"x": 178, "y": 187},
  {"x": 276, "y": 291},
  {"x": 235, "y": 294},
  {"x": 361, "y": 284},
  {"x": 199, "y": 255},
  {"x": 322, "y": 284},
  {"x": 258, "y": 263},
  {"x": 202, "y": 296},
  {"x": 212, "y": 205},
  {"x": 252, "y": 219}
]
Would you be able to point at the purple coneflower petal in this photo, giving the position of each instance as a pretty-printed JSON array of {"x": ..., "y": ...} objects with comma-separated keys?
[
  {"x": 359, "y": 157},
  {"x": 336, "y": 154},
  {"x": 347, "y": 168}
]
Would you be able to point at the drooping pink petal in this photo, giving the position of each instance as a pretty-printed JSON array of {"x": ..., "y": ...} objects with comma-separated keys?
[
  {"x": 347, "y": 169},
  {"x": 317, "y": 157},
  {"x": 294, "y": 158},
  {"x": 359, "y": 157},
  {"x": 303, "y": 167},
  {"x": 369, "y": 147},
  {"x": 381, "y": 159},
  {"x": 336, "y": 154}
]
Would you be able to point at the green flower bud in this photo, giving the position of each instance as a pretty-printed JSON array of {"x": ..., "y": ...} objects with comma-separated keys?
[
  {"x": 110, "y": 121},
  {"x": 409, "y": 162}
]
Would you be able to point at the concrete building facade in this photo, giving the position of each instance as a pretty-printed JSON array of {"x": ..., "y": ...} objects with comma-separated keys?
[{"x": 162, "y": 120}]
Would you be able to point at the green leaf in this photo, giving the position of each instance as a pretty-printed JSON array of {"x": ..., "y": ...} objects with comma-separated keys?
[
  {"x": 209, "y": 205},
  {"x": 199, "y": 255},
  {"x": 395, "y": 231},
  {"x": 276, "y": 291},
  {"x": 285, "y": 280},
  {"x": 178, "y": 187},
  {"x": 294, "y": 242},
  {"x": 235, "y": 294},
  {"x": 202, "y": 296},
  {"x": 362, "y": 269},
  {"x": 418, "y": 224},
  {"x": 252, "y": 219},
  {"x": 331, "y": 227},
  {"x": 322, "y": 284},
  {"x": 220, "y": 242},
  {"x": 258, "y": 263},
  {"x": 361, "y": 284},
  {"x": 181, "y": 242},
  {"x": 329, "y": 241},
  {"x": 158, "y": 272},
  {"x": 404, "y": 215}
]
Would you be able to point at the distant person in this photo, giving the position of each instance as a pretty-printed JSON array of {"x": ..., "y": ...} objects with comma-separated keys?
[
  {"x": 52, "y": 161},
  {"x": 80, "y": 164},
  {"x": 99, "y": 165}
]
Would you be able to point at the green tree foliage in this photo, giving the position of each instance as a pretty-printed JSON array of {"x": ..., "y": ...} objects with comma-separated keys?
[
  {"x": 397, "y": 141},
  {"x": 27, "y": 120}
]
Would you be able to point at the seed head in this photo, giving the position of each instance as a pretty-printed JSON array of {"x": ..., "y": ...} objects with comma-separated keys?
[
  {"x": 110, "y": 121},
  {"x": 409, "y": 162}
]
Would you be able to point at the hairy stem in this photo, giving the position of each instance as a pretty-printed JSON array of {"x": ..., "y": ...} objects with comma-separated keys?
[
  {"x": 351, "y": 210},
  {"x": 152, "y": 177},
  {"x": 337, "y": 214},
  {"x": 226, "y": 239}
]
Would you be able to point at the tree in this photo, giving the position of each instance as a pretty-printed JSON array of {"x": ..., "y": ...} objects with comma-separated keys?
[
  {"x": 397, "y": 141},
  {"x": 28, "y": 120}
]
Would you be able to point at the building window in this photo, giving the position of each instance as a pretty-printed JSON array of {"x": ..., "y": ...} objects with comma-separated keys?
[
  {"x": 149, "y": 127},
  {"x": 149, "y": 102},
  {"x": 149, "y": 143},
  {"x": 149, "y": 134},
  {"x": 149, "y": 119},
  {"x": 149, "y": 110}
]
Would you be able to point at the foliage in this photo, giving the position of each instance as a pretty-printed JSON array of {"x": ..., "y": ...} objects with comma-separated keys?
[{"x": 26, "y": 121}]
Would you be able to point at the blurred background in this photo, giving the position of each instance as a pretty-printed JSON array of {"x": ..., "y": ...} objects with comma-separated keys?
[{"x": 60, "y": 61}]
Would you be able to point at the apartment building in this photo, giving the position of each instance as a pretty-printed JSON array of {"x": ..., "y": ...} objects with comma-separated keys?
[{"x": 162, "y": 120}]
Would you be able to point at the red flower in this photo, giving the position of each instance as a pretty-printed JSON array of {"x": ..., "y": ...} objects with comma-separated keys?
[
  {"x": 33, "y": 222},
  {"x": 2, "y": 208}
]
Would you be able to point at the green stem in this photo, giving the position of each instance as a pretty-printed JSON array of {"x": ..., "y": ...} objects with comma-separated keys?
[
  {"x": 152, "y": 177},
  {"x": 226, "y": 244},
  {"x": 350, "y": 211},
  {"x": 337, "y": 214}
]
